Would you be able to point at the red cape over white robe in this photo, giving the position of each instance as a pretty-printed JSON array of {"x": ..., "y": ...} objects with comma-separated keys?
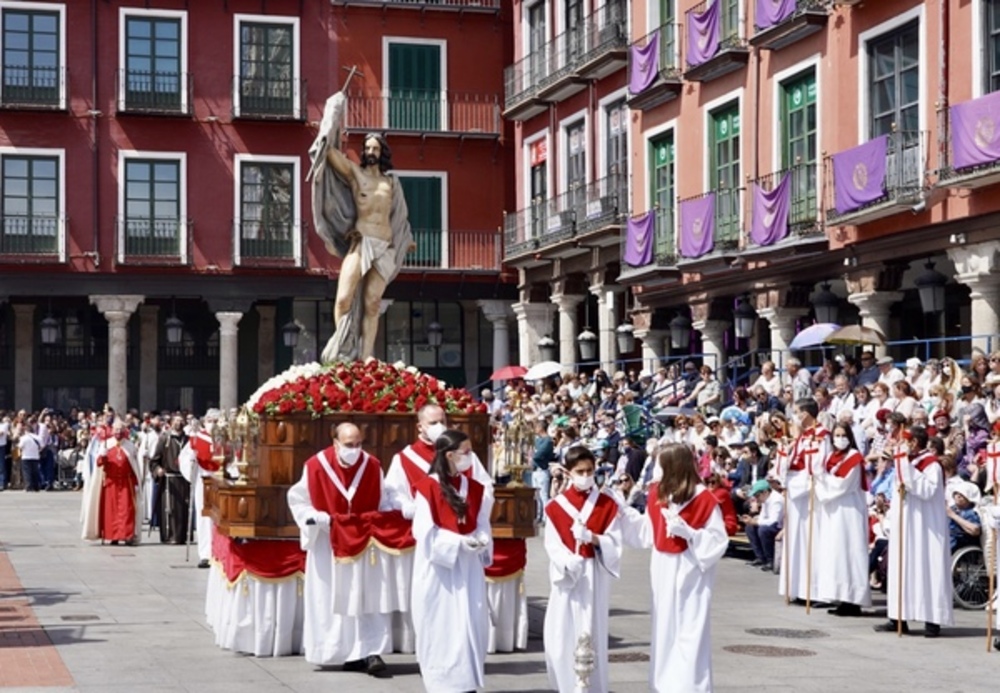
[
  {"x": 842, "y": 560},
  {"x": 807, "y": 458}
]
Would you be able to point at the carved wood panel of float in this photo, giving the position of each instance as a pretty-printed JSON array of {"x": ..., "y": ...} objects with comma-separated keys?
[{"x": 260, "y": 510}]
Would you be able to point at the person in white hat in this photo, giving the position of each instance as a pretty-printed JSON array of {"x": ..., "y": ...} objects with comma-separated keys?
[
  {"x": 964, "y": 525},
  {"x": 888, "y": 373},
  {"x": 918, "y": 377}
]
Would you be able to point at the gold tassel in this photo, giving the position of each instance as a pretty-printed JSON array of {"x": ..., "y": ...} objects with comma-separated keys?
[
  {"x": 246, "y": 586},
  {"x": 372, "y": 556},
  {"x": 299, "y": 585},
  {"x": 520, "y": 587}
]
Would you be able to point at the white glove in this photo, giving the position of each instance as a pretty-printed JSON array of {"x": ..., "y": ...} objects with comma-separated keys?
[
  {"x": 483, "y": 538},
  {"x": 581, "y": 534},
  {"x": 574, "y": 566},
  {"x": 617, "y": 496},
  {"x": 407, "y": 507},
  {"x": 322, "y": 519},
  {"x": 677, "y": 527},
  {"x": 906, "y": 471},
  {"x": 471, "y": 543}
]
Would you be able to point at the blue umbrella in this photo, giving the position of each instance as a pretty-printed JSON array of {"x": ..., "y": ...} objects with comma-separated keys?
[{"x": 814, "y": 335}]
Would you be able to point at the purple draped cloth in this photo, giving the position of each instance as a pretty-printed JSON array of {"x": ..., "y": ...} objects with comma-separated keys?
[
  {"x": 975, "y": 132},
  {"x": 768, "y": 13},
  {"x": 697, "y": 226},
  {"x": 769, "y": 221},
  {"x": 703, "y": 34},
  {"x": 859, "y": 175},
  {"x": 644, "y": 64},
  {"x": 639, "y": 240}
]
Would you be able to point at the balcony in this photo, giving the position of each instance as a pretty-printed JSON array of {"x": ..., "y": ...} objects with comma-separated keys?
[
  {"x": 481, "y": 6},
  {"x": 600, "y": 209},
  {"x": 565, "y": 65},
  {"x": 882, "y": 177},
  {"x": 653, "y": 68},
  {"x": 546, "y": 223},
  {"x": 261, "y": 244},
  {"x": 784, "y": 211},
  {"x": 27, "y": 87},
  {"x": 154, "y": 93},
  {"x": 188, "y": 356},
  {"x": 716, "y": 44},
  {"x": 639, "y": 260},
  {"x": 146, "y": 242},
  {"x": 92, "y": 354},
  {"x": 775, "y": 29},
  {"x": 256, "y": 98},
  {"x": 454, "y": 250},
  {"x": 419, "y": 111},
  {"x": 37, "y": 238},
  {"x": 710, "y": 225},
  {"x": 971, "y": 155}
]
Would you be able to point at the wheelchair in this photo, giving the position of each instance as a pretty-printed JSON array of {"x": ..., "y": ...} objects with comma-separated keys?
[{"x": 970, "y": 573}]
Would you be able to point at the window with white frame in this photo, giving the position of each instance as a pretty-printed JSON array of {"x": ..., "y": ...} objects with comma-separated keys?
[
  {"x": 153, "y": 77},
  {"x": 267, "y": 84},
  {"x": 894, "y": 81},
  {"x": 991, "y": 37},
  {"x": 267, "y": 222},
  {"x": 31, "y": 190},
  {"x": 31, "y": 42},
  {"x": 576, "y": 163},
  {"x": 425, "y": 203},
  {"x": 152, "y": 222},
  {"x": 415, "y": 84}
]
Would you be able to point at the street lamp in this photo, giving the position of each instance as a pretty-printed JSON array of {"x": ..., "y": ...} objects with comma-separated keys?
[
  {"x": 50, "y": 330},
  {"x": 930, "y": 285},
  {"x": 547, "y": 349},
  {"x": 435, "y": 334},
  {"x": 826, "y": 305},
  {"x": 626, "y": 338},
  {"x": 290, "y": 334},
  {"x": 174, "y": 326},
  {"x": 744, "y": 317},
  {"x": 680, "y": 331},
  {"x": 588, "y": 345}
]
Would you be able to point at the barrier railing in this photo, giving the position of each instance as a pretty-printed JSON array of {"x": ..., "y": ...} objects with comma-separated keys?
[{"x": 33, "y": 86}]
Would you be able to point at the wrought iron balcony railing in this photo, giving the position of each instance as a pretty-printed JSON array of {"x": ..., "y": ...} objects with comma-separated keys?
[
  {"x": 37, "y": 235},
  {"x": 455, "y": 249},
  {"x": 774, "y": 29},
  {"x": 602, "y": 203},
  {"x": 190, "y": 356},
  {"x": 269, "y": 99},
  {"x": 422, "y": 110},
  {"x": 727, "y": 218},
  {"x": 664, "y": 240},
  {"x": 33, "y": 86},
  {"x": 973, "y": 165},
  {"x": 164, "y": 93},
  {"x": 730, "y": 52},
  {"x": 93, "y": 354},
  {"x": 145, "y": 241},
  {"x": 259, "y": 243},
  {"x": 803, "y": 201},
  {"x": 524, "y": 228},
  {"x": 454, "y": 5}
]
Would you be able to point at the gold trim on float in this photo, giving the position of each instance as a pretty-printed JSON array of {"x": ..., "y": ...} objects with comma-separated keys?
[{"x": 372, "y": 545}]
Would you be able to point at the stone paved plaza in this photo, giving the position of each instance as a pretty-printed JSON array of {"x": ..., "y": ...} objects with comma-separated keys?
[{"x": 131, "y": 619}]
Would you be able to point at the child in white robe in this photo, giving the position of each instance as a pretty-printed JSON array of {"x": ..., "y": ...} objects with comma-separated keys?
[
  {"x": 451, "y": 525},
  {"x": 584, "y": 542}
]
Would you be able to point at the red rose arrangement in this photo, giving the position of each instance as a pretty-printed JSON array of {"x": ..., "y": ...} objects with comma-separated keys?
[{"x": 370, "y": 386}]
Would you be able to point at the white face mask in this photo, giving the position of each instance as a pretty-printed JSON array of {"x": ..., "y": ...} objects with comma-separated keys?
[
  {"x": 911, "y": 372},
  {"x": 946, "y": 370},
  {"x": 348, "y": 457},
  {"x": 657, "y": 473},
  {"x": 433, "y": 431},
  {"x": 841, "y": 442},
  {"x": 581, "y": 482},
  {"x": 463, "y": 463}
]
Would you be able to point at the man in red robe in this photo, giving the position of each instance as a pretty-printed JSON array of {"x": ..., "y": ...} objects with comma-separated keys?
[
  {"x": 118, "y": 490},
  {"x": 337, "y": 505}
]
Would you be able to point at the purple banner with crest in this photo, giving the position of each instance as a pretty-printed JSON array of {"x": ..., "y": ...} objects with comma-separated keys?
[
  {"x": 975, "y": 132},
  {"x": 639, "y": 240},
  {"x": 771, "y": 12},
  {"x": 697, "y": 226},
  {"x": 703, "y": 34},
  {"x": 644, "y": 64},
  {"x": 859, "y": 175},
  {"x": 769, "y": 220}
]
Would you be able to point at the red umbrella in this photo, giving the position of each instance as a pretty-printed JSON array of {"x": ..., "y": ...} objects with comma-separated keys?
[{"x": 509, "y": 373}]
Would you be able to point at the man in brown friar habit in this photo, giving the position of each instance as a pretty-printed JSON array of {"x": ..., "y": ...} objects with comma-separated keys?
[
  {"x": 407, "y": 470},
  {"x": 806, "y": 460},
  {"x": 338, "y": 505}
]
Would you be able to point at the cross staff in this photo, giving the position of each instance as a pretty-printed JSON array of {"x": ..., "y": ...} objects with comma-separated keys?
[
  {"x": 808, "y": 454},
  {"x": 992, "y": 462},
  {"x": 899, "y": 458}
]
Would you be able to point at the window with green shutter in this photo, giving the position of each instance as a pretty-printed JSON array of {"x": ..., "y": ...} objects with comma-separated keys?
[
  {"x": 423, "y": 201},
  {"x": 661, "y": 178},
  {"x": 415, "y": 87},
  {"x": 725, "y": 174},
  {"x": 668, "y": 34},
  {"x": 798, "y": 147}
]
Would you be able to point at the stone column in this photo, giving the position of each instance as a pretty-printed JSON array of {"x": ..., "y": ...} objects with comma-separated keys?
[
  {"x": 117, "y": 309},
  {"x": 607, "y": 338},
  {"x": 653, "y": 342},
  {"x": 497, "y": 312},
  {"x": 713, "y": 344},
  {"x": 149, "y": 342},
  {"x": 873, "y": 308},
  {"x": 782, "y": 322},
  {"x": 24, "y": 354},
  {"x": 265, "y": 341},
  {"x": 534, "y": 321},
  {"x": 229, "y": 355},
  {"x": 569, "y": 327},
  {"x": 976, "y": 267}
]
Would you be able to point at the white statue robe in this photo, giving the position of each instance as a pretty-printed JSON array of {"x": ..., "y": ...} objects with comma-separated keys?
[
  {"x": 450, "y": 609},
  {"x": 919, "y": 525},
  {"x": 842, "y": 559},
  {"x": 578, "y": 600},
  {"x": 345, "y": 618},
  {"x": 399, "y": 567},
  {"x": 681, "y": 643}
]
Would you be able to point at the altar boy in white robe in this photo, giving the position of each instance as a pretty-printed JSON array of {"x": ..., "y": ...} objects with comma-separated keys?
[
  {"x": 918, "y": 526},
  {"x": 684, "y": 525},
  {"x": 333, "y": 505},
  {"x": 840, "y": 495},
  {"x": 993, "y": 509},
  {"x": 583, "y": 539},
  {"x": 451, "y": 525},
  {"x": 196, "y": 463}
]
